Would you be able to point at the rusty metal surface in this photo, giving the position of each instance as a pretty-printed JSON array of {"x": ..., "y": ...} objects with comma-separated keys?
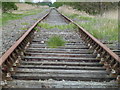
[
  {"x": 10, "y": 50},
  {"x": 115, "y": 56},
  {"x": 35, "y": 64},
  {"x": 87, "y": 38}
]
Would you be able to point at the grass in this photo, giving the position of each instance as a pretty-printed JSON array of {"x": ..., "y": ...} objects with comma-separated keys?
[
  {"x": 45, "y": 25},
  {"x": 72, "y": 16},
  {"x": 0, "y": 21},
  {"x": 55, "y": 41},
  {"x": 62, "y": 27},
  {"x": 101, "y": 28},
  {"x": 24, "y": 23},
  {"x": 24, "y": 28},
  {"x": 10, "y": 16},
  {"x": 36, "y": 28}
]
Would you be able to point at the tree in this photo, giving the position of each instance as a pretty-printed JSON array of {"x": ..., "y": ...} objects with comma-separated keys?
[
  {"x": 7, "y": 6},
  {"x": 89, "y": 7}
]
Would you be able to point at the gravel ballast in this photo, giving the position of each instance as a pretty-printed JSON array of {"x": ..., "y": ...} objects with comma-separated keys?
[{"x": 14, "y": 29}]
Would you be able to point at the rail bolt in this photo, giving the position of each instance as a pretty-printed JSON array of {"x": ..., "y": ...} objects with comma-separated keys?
[
  {"x": 118, "y": 79},
  {"x": 94, "y": 52},
  {"x": 3, "y": 83},
  {"x": 98, "y": 56},
  {"x": 113, "y": 73},
  {"x": 12, "y": 70},
  {"x": 17, "y": 62},
  {"x": 88, "y": 45},
  {"x": 107, "y": 66},
  {"x": 14, "y": 65},
  {"x": 102, "y": 61},
  {"x": 8, "y": 77}
]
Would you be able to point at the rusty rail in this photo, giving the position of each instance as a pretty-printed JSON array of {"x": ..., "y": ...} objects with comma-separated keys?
[
  {"x": 107, "y": 57},
  {"x": 11, "y": 58}
]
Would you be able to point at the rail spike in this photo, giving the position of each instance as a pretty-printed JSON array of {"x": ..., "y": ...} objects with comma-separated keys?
[
  {"x": 17, "y": 49},
  {"x": 102, "y": 47}
]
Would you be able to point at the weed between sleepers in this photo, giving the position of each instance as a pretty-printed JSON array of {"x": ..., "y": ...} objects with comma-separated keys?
[
  {"x": 55, "y": 41},
  {"x": 62, "y": 27}
]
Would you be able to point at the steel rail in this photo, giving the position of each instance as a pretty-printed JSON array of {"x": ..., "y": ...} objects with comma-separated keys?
[
  {"x": 110, "y": 60},
  {"x": 9, "y": 52},
  {"x": 115, "y": 56},
  {"x": 107, "y": 57}
]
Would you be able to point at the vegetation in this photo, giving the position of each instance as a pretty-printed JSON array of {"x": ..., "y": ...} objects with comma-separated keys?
[
  {"x": 10, "y": 16},
  {"x": 62, "y": 27},
  {"x": 24, "y": 28},
  {"x": 44, "y": 3},
  {"x": 101, "y": 28},
  {"x": 89, "y": 7},
  {"x": 55, "y": 41},
  {"x": 7, "y": 6},
  {"x": 58, "y": 4},
  {"x": 24, "y": 23},
  {"x": 37, "y": 29},
  {"x": 45, "y": 25}
]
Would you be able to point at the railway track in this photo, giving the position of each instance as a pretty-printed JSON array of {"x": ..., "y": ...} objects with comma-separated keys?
[{"x": 83, "y": 62}]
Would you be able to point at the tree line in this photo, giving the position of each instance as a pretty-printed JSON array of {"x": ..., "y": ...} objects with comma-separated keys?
[
  {"x": 7, "y": 6},
  {"x": 89, "y": 7}
]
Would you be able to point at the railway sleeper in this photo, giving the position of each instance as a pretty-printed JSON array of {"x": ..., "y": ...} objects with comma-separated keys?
[
  {"x": 60, "y": 47},
  {"x": 73, "y": 59},
  {"x": 60, "y": 55},
  {"x": 58, "y": 68},
  {"x": 60, "y": 84},
  {"x": 73, "y": 77},
  {"x": 62, "y": 63},
  {"x": 65, "y": 67}
]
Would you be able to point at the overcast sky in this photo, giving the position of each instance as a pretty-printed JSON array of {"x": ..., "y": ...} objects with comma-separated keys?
[
  {"x": 42, "y": 0},
  {"x": 38, "y": 1}
]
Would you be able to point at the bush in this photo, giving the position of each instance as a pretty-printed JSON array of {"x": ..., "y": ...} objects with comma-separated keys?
[{"x": 7, "y": 6}]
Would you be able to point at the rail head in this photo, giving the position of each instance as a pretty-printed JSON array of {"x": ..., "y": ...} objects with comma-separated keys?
[
  {"x": 115, "y": 56},
  {"x": 4, "y": 57},
  {"x": 108, "y": 58}
]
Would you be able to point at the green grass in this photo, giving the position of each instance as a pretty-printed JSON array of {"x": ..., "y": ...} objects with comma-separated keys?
[
  {"x": 24, "y": 28},
  {"x": 101, "y": 28},
  {"x": 62, "y": 27},
  {"x": 72, "y": 15},
  {"x": 85, "y": 18},
  {"x": 10, "y": 16},
  {"x": 24, "y": 23},
  {"x": 0, "y": 21},
  {"x": 45, "y": 25},
  {"x": 55, "y": 41},
  {"x": 36, "y": 28}
]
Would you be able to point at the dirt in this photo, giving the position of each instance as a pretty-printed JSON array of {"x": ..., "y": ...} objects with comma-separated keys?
[
  {"x": 71, "y": 11},
  {"x": 22, "y": 7},
  {"x": 112, "y": 14}
]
